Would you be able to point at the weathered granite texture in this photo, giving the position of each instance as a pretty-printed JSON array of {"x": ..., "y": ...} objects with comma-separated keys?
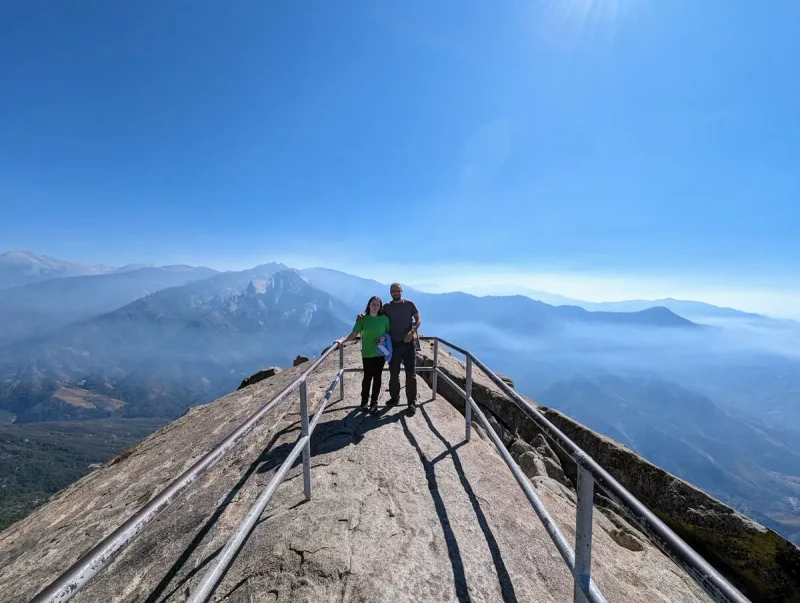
[
  {"x": 761, "y": 563},
  {"x": 403, "y": 510}
]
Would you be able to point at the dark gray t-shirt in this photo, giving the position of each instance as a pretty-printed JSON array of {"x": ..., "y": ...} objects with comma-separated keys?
[{"x": 400, "y": 317}]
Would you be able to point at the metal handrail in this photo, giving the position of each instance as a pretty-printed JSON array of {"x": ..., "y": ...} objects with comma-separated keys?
[
  {"x": 589, "y": 472},
  {"x": 101, "y": 555},
  {"x": 70, "y": 582},
  {"x": 585, "y": 588},
  {"x": 212, "y": 576}
]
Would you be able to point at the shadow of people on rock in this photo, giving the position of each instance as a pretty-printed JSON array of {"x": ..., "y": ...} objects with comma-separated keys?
[
  {"x": 462, "y": 591},
  {"x": 329, "y": 437}
]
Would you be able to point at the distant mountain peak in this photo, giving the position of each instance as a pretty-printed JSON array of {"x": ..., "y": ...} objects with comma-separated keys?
[
  {"x": 132, "y": 267},
  {"x": 290, "y": 279},
  {"x": 285, "y": 291},
  {"x": 270, "y": 268},
  {"x": 19, "y": 254},
  {"x": 658, "y": 311},
  {"x": 22, "y": 267},
  {"x": 290, "y": 273},
  {"x": 258, "y": 286},
  {"x": 29, "y": 256}
]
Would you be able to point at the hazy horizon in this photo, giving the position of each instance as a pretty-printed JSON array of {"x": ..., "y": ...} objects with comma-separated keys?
[{"x": 594, "y": 288}]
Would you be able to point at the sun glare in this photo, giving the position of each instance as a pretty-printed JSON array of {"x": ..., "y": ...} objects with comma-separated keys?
[{"x": 570, "y": 21}]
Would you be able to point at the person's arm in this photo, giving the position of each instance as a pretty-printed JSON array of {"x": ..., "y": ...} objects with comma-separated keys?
[
  {"x": 414, "y": 326},
  {"x": 353, "y": 334},
  {"x": 344, "y": 340}
]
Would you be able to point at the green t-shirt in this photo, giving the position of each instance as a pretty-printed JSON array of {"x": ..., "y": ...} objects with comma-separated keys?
[{"x": 371, "y": 328}]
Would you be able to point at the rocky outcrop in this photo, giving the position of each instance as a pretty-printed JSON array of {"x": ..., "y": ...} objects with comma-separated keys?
[
  {"x": 299, "y": 360},
  {"x": 757, "y": 560},
  {"x": 506, "y": 379},
  {"x": 264, "y": 373},
  {"x": 403, "y": 510}
]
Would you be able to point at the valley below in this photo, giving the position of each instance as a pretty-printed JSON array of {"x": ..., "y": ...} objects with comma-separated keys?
[{"x": 39, "y": 459}]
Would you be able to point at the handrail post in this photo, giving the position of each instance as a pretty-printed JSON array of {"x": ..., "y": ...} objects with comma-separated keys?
[
  {"x": 304, "y": 433},
  {"x": 583, "y": 534},
  {"x": 435, "y": 367},
  {"x": 341, "y": 368},
  {"x": 468, "y": 409}
]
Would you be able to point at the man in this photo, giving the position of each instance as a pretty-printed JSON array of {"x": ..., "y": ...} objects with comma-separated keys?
[{"x": 404, "y": 323}]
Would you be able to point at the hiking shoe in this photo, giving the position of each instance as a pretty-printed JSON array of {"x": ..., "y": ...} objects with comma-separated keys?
[
  {"x": 411, "y": 410},
  {"x": 363, "y": 405},
  {"x": 373, "y": 406},
  {"x": 391, "y": 402}
]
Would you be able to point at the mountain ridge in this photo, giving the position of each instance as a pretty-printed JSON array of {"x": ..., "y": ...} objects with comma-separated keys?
[
  {"x": 451, "y": 303},
  {"x": 678, "y": 306},
  {"x": 228, "y": 315},
  {"x": 687, "y": 308},
  {"x": 21, "y": 267},
  {"x": 37, "y": 308},
  {"x": 174, "y": 346}
]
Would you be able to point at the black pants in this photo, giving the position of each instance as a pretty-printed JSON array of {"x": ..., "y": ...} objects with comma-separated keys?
[
  {"x": 373, "y": 371},
  {"x": 405, "y": 353}
]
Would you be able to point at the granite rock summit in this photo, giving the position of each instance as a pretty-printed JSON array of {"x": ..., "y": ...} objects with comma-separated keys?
[{"x": 403, "y": 509}]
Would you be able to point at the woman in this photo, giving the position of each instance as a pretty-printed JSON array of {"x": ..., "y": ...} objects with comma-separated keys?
[{"x": 373, "y": 328}]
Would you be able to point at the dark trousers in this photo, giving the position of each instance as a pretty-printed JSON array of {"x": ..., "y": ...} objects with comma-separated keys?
[
  {"x": 405, "y": 353},
  {"x": 373, "y": 371}
]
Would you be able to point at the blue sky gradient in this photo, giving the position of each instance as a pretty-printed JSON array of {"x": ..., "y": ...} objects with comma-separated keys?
[{"x": 638, "y": 140}]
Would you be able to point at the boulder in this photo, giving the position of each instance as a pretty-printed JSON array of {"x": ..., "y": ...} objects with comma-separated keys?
[
  {"x": 543, "y": 447},
  {"x": 507, "y": 380},
  {"x": 554, "y": 471},
  {"x": 519, "y": 447},
  {"x": 505, "y": 435},
  {"x": 299, "y": 360},
  {"x": 532, "y": 465},
  {"x": 264, "y": 373}
]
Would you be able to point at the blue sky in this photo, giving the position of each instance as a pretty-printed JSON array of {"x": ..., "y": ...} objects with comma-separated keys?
[{"x": 620, "y": 147}]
